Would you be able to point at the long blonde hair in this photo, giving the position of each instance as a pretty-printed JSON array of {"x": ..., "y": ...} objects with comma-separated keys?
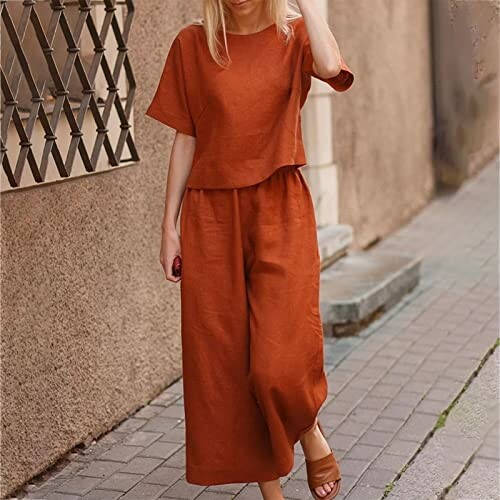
[{"x": 214, "y": 20}]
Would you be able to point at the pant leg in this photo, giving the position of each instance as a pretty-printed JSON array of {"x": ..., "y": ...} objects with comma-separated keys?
[
  {"x": 227, "y": 440},
  {"x": 286, "y": 337}
]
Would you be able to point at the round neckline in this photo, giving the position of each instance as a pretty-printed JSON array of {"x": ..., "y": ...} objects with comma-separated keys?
[{"x": 252, "y": 34}]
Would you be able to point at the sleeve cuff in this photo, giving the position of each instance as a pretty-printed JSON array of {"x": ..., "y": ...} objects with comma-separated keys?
[
  {"x": 344, "y": 79},
  {"x": 183, "y": 125}
]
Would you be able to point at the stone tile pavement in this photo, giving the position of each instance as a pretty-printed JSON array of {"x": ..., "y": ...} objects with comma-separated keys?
[
  {"x": 460, "y": 461},
  {"x": 388, "y": 387}
]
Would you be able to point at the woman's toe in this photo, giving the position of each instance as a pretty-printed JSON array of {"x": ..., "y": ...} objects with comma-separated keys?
[
  {"x": 320, "y": 491},
  {"x": 324, "y": 489}
]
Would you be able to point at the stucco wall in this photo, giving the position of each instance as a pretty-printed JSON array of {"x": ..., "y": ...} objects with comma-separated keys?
[
  {"x": 465, "y": 38},
  {"x": 90, "y": 327},
  {"x": 383, "y": 127}
]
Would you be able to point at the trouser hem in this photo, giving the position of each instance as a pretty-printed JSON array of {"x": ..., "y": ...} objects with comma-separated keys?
[{"x": 211, "y": 478}]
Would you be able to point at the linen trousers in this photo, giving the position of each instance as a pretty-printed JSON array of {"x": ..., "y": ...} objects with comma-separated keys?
[{"x": 252, "y": 337}]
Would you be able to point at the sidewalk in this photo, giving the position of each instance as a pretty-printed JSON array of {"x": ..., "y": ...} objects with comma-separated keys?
[{"x": 388, "y": 387}]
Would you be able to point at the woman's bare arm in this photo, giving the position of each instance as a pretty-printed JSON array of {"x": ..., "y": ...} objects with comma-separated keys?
[
  {"x": 181, "y": 160},
  {"x": 324, "y": 47}
]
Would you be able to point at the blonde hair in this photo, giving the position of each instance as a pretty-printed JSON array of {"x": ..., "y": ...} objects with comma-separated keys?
[{"x": 214, "y": 20}]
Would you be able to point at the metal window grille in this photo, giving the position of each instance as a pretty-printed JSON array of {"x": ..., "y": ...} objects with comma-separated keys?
[{"x": 67, "y": 89}]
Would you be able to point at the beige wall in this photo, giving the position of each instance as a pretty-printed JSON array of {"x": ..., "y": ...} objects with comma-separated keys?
[
  {"x": 383, "y": 125},
  {"x": 90, "y": 328},
  {"x": 466, "y": 87}
]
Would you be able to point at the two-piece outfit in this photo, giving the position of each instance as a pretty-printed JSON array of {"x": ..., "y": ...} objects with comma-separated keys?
[{"x": 252, "y": 338}]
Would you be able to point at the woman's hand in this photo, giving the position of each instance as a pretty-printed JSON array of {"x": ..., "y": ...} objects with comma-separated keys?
[
  {"x": 170, "y": 247},
  {"x": 181, "y": 159}
]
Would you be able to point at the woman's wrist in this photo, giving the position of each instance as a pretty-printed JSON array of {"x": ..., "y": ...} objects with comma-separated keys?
[{"x": 168, "y": 227}]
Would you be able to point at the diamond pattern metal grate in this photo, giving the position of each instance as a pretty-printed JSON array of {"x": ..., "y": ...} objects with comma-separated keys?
[{"x": 38, "y": 121}]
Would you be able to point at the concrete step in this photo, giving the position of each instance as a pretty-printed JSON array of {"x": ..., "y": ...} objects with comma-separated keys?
[
  {"x": 333, "y": 241},
  {"x": 362, "y": 285}
]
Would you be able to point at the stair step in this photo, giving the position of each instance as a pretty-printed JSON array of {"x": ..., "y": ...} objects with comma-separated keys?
[
  {"x": 361, "y": 285},
  {"x": 333, "y": 242}
]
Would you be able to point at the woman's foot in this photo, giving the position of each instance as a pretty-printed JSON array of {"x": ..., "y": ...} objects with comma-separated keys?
[
  {"x": 315, "y": 446},
  {"x": 271, "y": 490}
]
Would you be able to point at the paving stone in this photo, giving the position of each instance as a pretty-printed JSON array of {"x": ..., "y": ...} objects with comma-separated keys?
[
  {"x": 121, "y": 453},
  {"x": 365, "y": 415},
  {"x": 213, "y": 495},
  {"x": 347, "y": 483},
  {"x": 176, "y": 388},
  {"x": 479, "y": 482},
  {"x": 100, "y": 469},
  {"x": 332, "y": 421},
  {"x": 400, "y": 447},
  {"x": 164, "y": 475},
  {"x": 491, "y": 452},
  {"x": 385, "y": 390},
  {"x": 141, "y": 465},
  {"x": 173, "y": 411},
  {"x": 341, "y": 442},
  {"x": 363, "y": 452},
  {"x": 62, "y": 496},
  {"x": 178, "y": 459},
  {"x": 416, "y": 428},
  {"x": 377, "y": 478},
  {"x": 175, "y": 435},
  {"x": 398, "y": 380},
  {"x": 103, "y": 495},
  {"x": 227, "y": 488},
  {"x": 394, "y": 463},
  {"x": 352, "y": 467},
  {"x": 181, "y": 490},
  {"x": 386, "y": 425},
  {"x": 145, "y": 491},
  {"x": 141, "y": 438},
  {"x": 350, "y": 394},
  {"x": 161, "y": 449},
  {"x": 352, "y": 428},
  {"x": 397, "y": 411},
  {"x": 165, "y": 399},
  {"x": 131, "y": 425},
  {"x": 434, "y": 408},
  {"x": 249, "y": 492},
  {"x": 147, "y": 412},
  {"x": 376, "y": 438},
  {"x": 343, "y": 407},
  {"x": 295, "y": 489},
  {"x": 160, "y": 424},
  {"x": 374, "y": 403},
  {"x": 365, "y": 493},
  {"x": 120, "y": 481},
  {"x": 407, "y": 398},
  {"x": 78, "y": 485}
]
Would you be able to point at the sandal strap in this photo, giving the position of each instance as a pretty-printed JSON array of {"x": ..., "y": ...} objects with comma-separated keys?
[{"x": 321, "y": 471}]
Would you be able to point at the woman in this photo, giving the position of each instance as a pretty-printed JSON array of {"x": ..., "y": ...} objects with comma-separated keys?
[{"x": 252, "y": 341}]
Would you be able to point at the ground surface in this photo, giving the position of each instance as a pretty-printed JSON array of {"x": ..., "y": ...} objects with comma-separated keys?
[{"x": 413, "y": 406}]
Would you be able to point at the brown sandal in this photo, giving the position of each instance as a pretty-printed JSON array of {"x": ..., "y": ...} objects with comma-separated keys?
[{"x": 322, "y": 471}]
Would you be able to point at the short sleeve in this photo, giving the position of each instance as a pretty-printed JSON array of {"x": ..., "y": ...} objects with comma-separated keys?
[
  {"x": 340, "y": 83},
  {"x": 170, "y": 103}
]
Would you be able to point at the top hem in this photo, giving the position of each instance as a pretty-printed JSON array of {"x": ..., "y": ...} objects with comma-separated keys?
[{"x": 191, "y": 184}]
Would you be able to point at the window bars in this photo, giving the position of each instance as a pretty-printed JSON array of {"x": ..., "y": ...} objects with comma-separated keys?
[{"x": 67, "y": 89}]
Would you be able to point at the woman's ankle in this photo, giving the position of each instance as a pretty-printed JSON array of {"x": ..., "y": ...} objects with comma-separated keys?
[
  {"x": 271, "y": 490},
  {"x": 310, "y": 433}
]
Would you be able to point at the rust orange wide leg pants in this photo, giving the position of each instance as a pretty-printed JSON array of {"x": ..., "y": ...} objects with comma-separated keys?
[{"x": 252, "y": 338}]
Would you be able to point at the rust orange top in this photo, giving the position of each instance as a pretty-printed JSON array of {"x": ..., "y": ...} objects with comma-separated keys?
[{"x": 246, "y": 119}]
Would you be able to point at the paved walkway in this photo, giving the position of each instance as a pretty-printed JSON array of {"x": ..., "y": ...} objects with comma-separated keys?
[{"x": 388, "y": 388}]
